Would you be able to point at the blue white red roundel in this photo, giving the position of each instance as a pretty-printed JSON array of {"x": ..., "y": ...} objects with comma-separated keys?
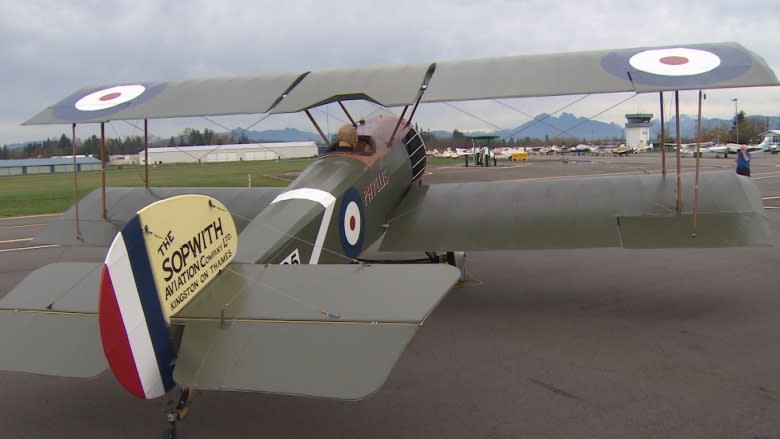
[
  {"x": 109, "y": 97},
  {"x": 352, "y": 223},
  {"x": 102, "y": 102},
  {"x": 678, "y": 61},
  {"x": 678, "y": 67}
]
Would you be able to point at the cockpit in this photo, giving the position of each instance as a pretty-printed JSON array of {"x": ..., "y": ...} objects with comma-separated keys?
[
  {"x": 350, "y": 142},
  {"x": 365, "y": 146}
]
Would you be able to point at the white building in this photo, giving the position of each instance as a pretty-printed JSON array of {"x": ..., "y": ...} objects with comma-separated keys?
[
  {"x": 638, "y": 130},
  {"x": 123, "y": 160},
  {"x": 48, "y": 165},
  {"x": 230, "y": 153}
]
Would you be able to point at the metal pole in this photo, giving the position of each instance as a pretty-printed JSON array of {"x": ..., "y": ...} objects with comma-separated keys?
[
  {"x": 103, "y": 169},
  {"x": 663, "y": 136},
  {"x": 75, "y": 185},
  {"x": 698, "y": 167},
  {"x": 677, "y": 141},
  {"x": 736, "y": 118},
  {"x": 146, "y": 153}
]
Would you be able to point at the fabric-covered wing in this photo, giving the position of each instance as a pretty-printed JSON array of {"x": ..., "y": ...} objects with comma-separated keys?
[
  {"x": 630, "y": 211},
  {"x": 122, "y": 203},
  {"x": 318, "y": 330},
  {"x": 48, "y": 323},
  {"x": 641, "y": 70},
  {"x": 389, "y": 86},
  {"x": 644, "y": 69},
  {"x": 194, "y": 97}
]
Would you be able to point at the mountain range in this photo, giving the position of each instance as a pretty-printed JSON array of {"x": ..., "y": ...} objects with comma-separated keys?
[{"x": 542, "y": 126}]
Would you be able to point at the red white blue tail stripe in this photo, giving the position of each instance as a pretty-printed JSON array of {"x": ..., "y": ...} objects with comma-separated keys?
[{"x": 133, "y": 330}]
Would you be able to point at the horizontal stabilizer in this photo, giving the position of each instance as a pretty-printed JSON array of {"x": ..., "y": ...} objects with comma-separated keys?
[
  {"x": 316, "y": 330},
  {"x": 48, "y": 323}
]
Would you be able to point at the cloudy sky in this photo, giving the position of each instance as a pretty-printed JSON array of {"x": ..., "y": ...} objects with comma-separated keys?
[{"x": 52, "y": 48}]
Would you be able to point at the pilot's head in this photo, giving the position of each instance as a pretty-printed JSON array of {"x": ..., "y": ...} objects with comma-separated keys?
[{"x": 347, "y": 136}]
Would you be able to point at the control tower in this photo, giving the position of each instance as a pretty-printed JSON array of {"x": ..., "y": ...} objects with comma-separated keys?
[{"x": 638, "y": 130}]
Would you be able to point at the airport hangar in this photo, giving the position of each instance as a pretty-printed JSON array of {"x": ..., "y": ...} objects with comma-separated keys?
[
  {"x": 229, "y": 153},
  {"x": 48, "y": 165}
]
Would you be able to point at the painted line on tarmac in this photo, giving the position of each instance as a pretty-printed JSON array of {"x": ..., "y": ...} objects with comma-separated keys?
[
  {"x": 5, "y": 218},
  {"x": 765, "y": 175},
  {"x": 8, "y": 250},
  {"x": 770, "y": 198},
  {"x": 22, "y": 226},
  {"x": 10, "y": 241}
]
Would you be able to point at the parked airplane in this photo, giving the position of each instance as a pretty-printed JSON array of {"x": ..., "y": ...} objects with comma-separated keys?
[
  {"x": 623, "y": 150},
  {"x": 771, "y": 141},
  {"x": 768, "y": 144},
  {"x": 264, "y": 289}
]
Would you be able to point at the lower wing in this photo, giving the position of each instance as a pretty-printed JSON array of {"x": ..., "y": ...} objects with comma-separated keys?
[{"x": 630, "y": 211}]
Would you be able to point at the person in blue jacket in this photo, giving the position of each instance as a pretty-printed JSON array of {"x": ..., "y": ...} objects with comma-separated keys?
[{"x": 743, "y": 162}]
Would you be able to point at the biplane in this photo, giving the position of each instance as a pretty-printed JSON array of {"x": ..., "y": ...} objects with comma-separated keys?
[{"x": 266, "y": 289}]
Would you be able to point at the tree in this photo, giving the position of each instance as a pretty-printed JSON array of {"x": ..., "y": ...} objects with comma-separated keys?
[
  {"x": 90, "y": 146},
  {"x": 64, "y": 145},
  {"x": 736, "y": 134}
]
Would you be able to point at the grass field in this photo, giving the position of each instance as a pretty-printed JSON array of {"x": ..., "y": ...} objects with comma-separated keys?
[{"x": 50, "y": 193}]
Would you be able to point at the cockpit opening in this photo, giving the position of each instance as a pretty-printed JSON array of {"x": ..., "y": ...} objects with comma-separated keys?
[{"x": 348, "y": 141}]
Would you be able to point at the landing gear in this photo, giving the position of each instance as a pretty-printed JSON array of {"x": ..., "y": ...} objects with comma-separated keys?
[
  {"x": 180, "y": 412},
  {"x": 458, "y": 260}
]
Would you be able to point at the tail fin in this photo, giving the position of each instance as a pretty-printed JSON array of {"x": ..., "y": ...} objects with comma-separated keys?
[{"x": 160, "y": 260}]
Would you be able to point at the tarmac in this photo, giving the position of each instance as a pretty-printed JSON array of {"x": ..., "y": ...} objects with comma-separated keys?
[{"x": 604, "y": 343}]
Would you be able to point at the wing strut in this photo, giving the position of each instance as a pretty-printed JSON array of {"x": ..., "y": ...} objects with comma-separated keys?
[
  {"x": 146, "y": 153},
  {"x": 351, "y": 120},
  {"x": 420, "y": 93},
  {"x": 698, "y": 168},
  {"x": 678, "y": 204},
  {"x": 103, "y": 211},
  {"x": 314, "y": 122},
  {"x": 75, "y": 184},
  {"x": 663, "y": 135},
  {"x": 398, "y": 124}
]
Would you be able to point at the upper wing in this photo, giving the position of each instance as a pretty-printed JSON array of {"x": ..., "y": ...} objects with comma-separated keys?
[
  {"x": 633, "y": 211},
  {"x": 123, "y": 203},
  {"x": 643, "y": 69}
]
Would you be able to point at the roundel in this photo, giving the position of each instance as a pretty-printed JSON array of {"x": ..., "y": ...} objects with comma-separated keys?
[
  {"x": 109, "y": 97},
  {"x": 678, "y": 66},
  {"x": 675, "y": 62},
  {"x": 352, "y": 223},
  {"x": 101, "y": 102}
]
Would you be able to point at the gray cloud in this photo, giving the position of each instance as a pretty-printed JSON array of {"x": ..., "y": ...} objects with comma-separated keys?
[{"x": 52, "y": 48}]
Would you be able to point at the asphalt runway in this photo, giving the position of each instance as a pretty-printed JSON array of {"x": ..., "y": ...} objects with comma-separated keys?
[{"x": 537, "y": 344}]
